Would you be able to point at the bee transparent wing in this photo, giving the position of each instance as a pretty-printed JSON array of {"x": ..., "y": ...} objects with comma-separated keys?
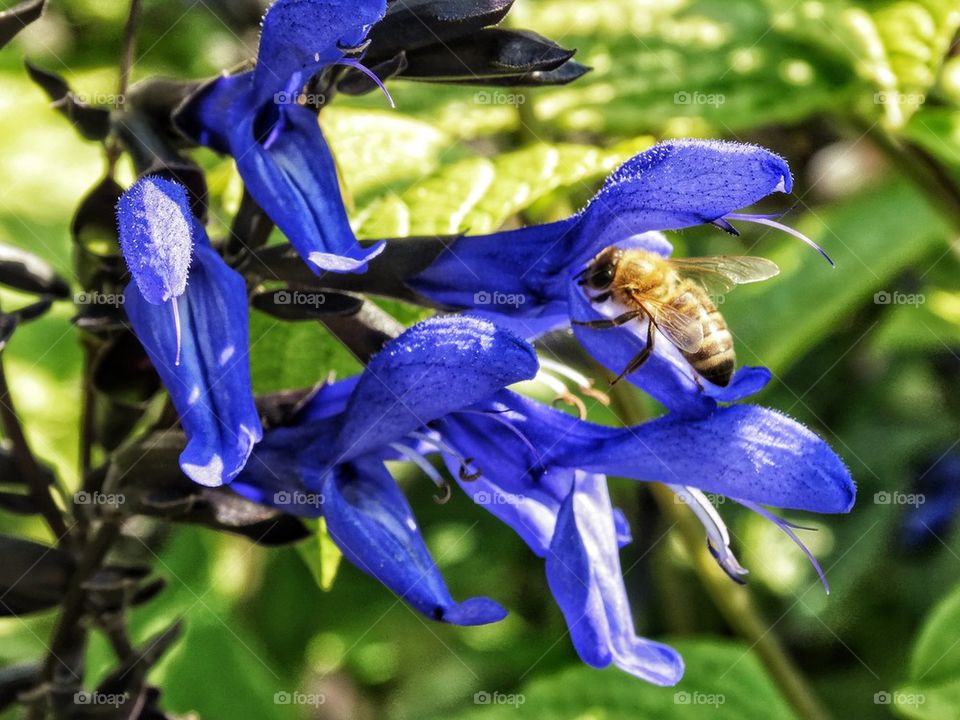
[
  {"x": 683, "y": 330},
  {"x": 721, "y": 274}
]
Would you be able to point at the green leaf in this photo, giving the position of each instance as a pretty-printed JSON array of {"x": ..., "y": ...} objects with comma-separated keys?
[
  {"x": 321, "y": 555},
  {"x": 916, "y": 36},
  {"x": 246, "y": 685},
  {"x": 681, "y": 69},
  {"x": 377, "y": 149},
  {"x": 286, "y": 355},
  {"x": 872, "y": 238},
  {"x": 933, "y": 689},
  {"x": 931, "y": 327},
  {"x": 896, "y": 47},
  {"x": 937, "y": 130},
  {"x": 723, "y": 681},
  {"x": 478, "y": 195}
]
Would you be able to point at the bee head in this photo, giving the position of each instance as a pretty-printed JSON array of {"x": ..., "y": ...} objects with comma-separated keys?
[{"x": 599, "y": 274}]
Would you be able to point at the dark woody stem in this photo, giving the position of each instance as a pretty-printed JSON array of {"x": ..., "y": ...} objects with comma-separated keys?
[
  {"x": 40, "y": 489},
  {"x": 69, "y": 632},
  {"x": 128, "y": 50},
  {"x": 127, "y": 56},
  {"x": 64, "y": 659},
  {"x": 365, "y": 333},
  {"x": 401, "y": 260}
]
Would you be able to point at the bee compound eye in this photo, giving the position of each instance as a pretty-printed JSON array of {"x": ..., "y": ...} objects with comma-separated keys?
[{"x": 601, "y": 277}]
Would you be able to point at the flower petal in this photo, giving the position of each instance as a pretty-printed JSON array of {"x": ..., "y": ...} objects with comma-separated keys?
[
  {"x": 745, "y": 452},
  {"x": 210, "y": 115},
  {"x": 438, "y": 366},
  {"x": 509, "y": 440},
  {"x": 371, "y": 522},
  {"x": 211, "y": 385},
  {"x": 293, "y": 177},
  {"x": 156, "y": 237},
  {"x": 274, "y": 475},
  {"x": 675, "y": 185},
  {"x": 520, "y": 264},
  {"x": 300, "y": 37},
  {"x": 583, "y": 569}
]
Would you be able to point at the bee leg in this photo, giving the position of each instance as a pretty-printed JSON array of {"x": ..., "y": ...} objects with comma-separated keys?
[
  {"x": 641, "y": 358},
  {"x": 615, "y": 322}
]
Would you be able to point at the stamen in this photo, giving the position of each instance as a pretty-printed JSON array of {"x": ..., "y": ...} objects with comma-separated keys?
[
  {"x": 769, "y": 222},
  {"x": 718, "y": 538},
  {"x": 573, "y": 401},
  {"x": 176, "y": 325},
  {"x": 355, "y": 49},
  {"x": 562, "y": 393},
  {"x": 360, "y": 67},
  {"x": 429, "y": 470},
  {"x": 467, "y": 476},
  {"x": 584, "y": 384},
  {"x": 494, "y": 415},
  {"x": 445, "y": 497},
  {"x": 565, "y": 371},
  {"x": 788, "y": 528},
  {"x": 437, "y": 442}
]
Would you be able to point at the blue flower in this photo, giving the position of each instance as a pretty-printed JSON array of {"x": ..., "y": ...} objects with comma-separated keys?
[
  {"x": 672, "y": 186},
  {"x": 437, "y": 389},
  {"x": 330, "y": 460},
  {"x": 278, "y": 146},
  {"x": 189, "y": 310}
]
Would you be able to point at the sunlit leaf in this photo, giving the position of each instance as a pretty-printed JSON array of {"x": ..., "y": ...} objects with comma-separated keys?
[{"x": 723, "y": 680}]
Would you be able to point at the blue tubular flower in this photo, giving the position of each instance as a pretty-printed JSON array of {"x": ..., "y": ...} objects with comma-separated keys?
[
  {"x": 583, "y": 570},
  {"x": 540, "y": 471},
  {"x": 280, "y": 151},
  {"x": 335, "y": 449},
  {"x": 672, "y": 186},
  {"x": 436, "y": 389},
  {"x": 199, "y": 350}
]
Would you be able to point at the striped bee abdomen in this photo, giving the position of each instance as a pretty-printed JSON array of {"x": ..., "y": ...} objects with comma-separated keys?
[{"x": 715, "y": 360}]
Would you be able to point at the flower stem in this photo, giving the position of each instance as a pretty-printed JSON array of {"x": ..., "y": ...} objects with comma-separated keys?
[
  {"x": 733, "y": 601},
  {"x": 27, "y": 463}
]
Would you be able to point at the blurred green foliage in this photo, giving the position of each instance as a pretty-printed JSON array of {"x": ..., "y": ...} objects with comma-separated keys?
[{"x": 880, "y": 381}]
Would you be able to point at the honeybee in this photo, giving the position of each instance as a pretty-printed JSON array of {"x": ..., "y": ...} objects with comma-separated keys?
[{"x": 674, "y": 294}]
